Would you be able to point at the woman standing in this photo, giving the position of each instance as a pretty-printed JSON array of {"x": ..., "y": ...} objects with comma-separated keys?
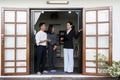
[
  {"x": 68, "y": 47},
  {"x": 52, "y": 48}
]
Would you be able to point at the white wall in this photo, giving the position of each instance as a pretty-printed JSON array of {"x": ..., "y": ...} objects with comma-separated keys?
[
  {"x": 75, "y": 3},
  {"x": 0, "y": 38}
]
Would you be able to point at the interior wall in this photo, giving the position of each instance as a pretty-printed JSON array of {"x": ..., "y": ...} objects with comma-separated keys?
[
  {"x": 0, "y": 41},
  {"x": 74, "y": 4},
  {"x": 60, "y": 22}
]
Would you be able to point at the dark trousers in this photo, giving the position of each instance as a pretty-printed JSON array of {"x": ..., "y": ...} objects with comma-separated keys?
[
  {"x": 41, "y": 58},
  {"x": 51, "y": 57}
]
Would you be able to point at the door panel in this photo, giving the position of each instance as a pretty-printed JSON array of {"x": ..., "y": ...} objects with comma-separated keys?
[
  {"x": 97, "y": 40},
  {"x": 15, "y": 41}
]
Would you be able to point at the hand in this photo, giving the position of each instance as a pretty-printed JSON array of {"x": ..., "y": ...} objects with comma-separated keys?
[
  {"x": 48, "y": 40},
  {"x": 55, "y": 47},
  {"x": 80, "y": 30},
  {"x": 61, "y": 38},
  {"x": 42, "y": 41}
]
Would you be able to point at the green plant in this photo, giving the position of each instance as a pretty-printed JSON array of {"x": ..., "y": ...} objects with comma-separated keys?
[
  {"x": 114, "y": 69},
  {"x": 102, "y": 57}
]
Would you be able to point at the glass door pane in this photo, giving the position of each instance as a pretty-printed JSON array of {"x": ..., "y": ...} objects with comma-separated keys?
[
  {"x": 9, "y": 29},
  {"x": 7, "y": 64},
  {"x": 9, "y": 70},
  {"x": 91, "y": 64},
  {"x": 9, "y": 16},
  {"x": 21, "y": 54},
  {"x": 96, "y": 40},
  {"x": 21, "y": 16},
  {"x": 90, "y": 42},
  {"x": 90, "y": 54},
  {"x": 9, "y": 54},
  {"x": 21, "y": 42},
  {"x": 21, "y": 64},
  {"x": 103, "y": 29},
  {"x": 21, "y": 29},
  {"x": 19, "y": 70},
  {"x": 103, "y": 15},
  {"x": 91, "y": 16},
  {"x": 90, "y": 29},
  {"x": 16, "y": 42},
  {"x": 91, "y": 70},
  {"x": 103, "y": 54},
  {"x": 9, "y": 42},
  {"x": 103, "y": 42}
]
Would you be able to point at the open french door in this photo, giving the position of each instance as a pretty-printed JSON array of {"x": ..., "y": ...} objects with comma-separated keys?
[
  {"x": 15, "y": 41},
  {"x": 97, "y": 40}
]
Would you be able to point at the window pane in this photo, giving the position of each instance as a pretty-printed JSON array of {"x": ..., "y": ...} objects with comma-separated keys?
[
  {"x": 103, "y": 42},
  {"x": 91, "y": 16},
  {"x": 21, "y": 29},
  {"x": 20, "y": 69},
  {"x": 9, "y": 64},
  {"x": 102, "y": 64},
  {"x": 9, "y": 70},
  {"x": 20, "y": 63},
  {"x": 103, "y": 54},
  {"x": 21, "y": 54},
  {"x": 91, "y": 70},
  {"x": 9, "y": 54},
  {"x": 90, "y": 42},
  {"x": 103, "y": 15},
  {"x": 92, "y": 64},
  {"x": 90, "y": 29},
  {"x": 9, "y": 29},
  {"x": 9, "y": 42},
  {"x": 103, "y": 70},
  {"x": 90, "y": 54},
  {"x": 21, "y": 42},
  {"x": 103, "y": 28},
  {"x": 21, "y": 16},
  {"x": 9, "y": 16}
]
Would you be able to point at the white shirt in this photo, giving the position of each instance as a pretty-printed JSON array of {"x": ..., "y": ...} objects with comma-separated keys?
[
  {"x": 41, "y": 36},
  {"x": 68, "y": 31}
]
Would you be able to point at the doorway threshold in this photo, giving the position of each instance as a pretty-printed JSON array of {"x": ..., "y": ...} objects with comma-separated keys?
[{"x": 49, "y": 76}]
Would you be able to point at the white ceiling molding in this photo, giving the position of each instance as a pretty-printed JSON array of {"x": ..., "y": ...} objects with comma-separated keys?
[{"x": 57, "y": 2}]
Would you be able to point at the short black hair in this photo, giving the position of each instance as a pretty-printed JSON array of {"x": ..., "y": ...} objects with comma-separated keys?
[
  {"x": 50, "y": 29},
  {"x": 41, "y": 24},
  {"x": 70, "y": 22}
]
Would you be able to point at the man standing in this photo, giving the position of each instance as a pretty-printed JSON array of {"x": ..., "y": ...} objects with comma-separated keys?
[{"x": 41, "y": 41}]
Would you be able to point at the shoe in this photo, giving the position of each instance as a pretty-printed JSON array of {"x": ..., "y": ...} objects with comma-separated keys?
[
  {"x": 39, "y": 73},
  {"x": 52, "y": 70},
  {"x": 69, "y": 72},
  {"x": 65, "y": 72},
  {"x": 45, "y": 71}
]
